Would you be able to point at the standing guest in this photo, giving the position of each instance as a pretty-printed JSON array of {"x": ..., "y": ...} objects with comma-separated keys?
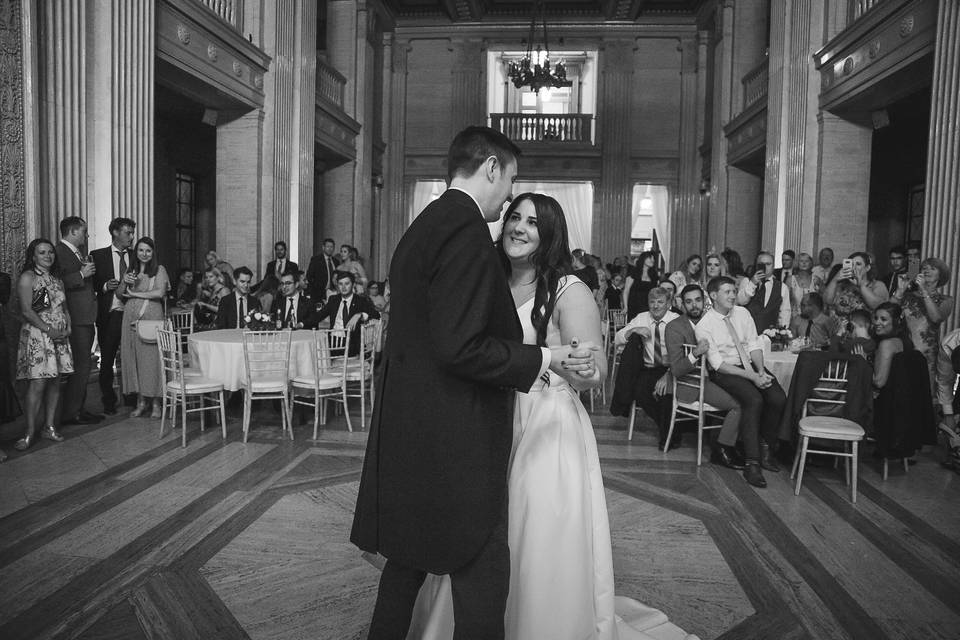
[
  {"x": 234, "y": 307},
  {"x": 897, "y": 278},
  {"x": 765, "y": 297},
  {"x": 785, "y": 271},
  {"x": 651, "y": 388},
  {"x": 913, "y": 251},
  {"x": 825, "y": 266},
  {"x": 350, "y": 261},
  {"x": 373, "y": 292},
  {"x": 948, "y": 366},
  {"x": 267, "y": 292},
  {"x": 280, "y": 264},
  {"x": 111, "y": 265},
  {"x": 320, "y": 281},
  {"x": 712, "y": 268},
  {"x": 584, "y": 271},
  {"x": 184, "y": 293},
  {"x": 736, "y": 357},
  {"x": 854, "y": 287},
  {"x": 641, "y": 278},
  {"x": 690, "y": 272},
  {"x": 802, "y": 282},
  {"x": 812, "y": 322},
  {"x": 44, "y": 351},
  {"x": 614, "y": 293},
  {"x": 77, "y": 271},
  {"x": 144, "y": 288},
  {"x": 224, "y": 267},
  {"x": 346, "y": 310},
  {"x": 293, "y": 308},
  {"x": 925, "y": 308},
  {"x": 212, "y": 290}
]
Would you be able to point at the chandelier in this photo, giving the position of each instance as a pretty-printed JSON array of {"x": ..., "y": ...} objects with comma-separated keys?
[{"x": 534, "y": 68}]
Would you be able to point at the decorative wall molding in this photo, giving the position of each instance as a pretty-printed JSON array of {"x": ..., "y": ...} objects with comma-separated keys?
[
  {"x": 747, "y": 133},
  {"x": 13, "y": 233}
]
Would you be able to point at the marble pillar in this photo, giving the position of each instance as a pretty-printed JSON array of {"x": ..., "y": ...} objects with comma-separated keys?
[
  {"x": 393, "y": 205},
  {"x": 304, "y": 124},
  {"x": 685, "y": 221},
  {"x": 279, "y": 119},
  {"x": 244, "y": 220},
  {"x": 611, "y": 215},
  {"x": 722, "y": 114},
  {"x": 941, "y": 221}
]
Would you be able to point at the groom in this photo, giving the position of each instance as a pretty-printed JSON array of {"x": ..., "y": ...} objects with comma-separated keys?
[{"x": 433, "y": 489}]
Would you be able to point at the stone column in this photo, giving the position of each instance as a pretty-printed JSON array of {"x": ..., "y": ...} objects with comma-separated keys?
[
  {"x": 304, "y": 123},
  {"x": 244, "y": 182},
  {"x": 685, "y": 219},
  {"x": 941, "y": 221},
  {"x": 119, "y": 114},
  {"x": 279, "y": 120},
  {"x": 722, "y": 113},
  {"x": 468, "y": 104},
  {"x": 611, "y": 218},
  {"x": 338, "y": 191},
  {"x": 393, "y": 206}
]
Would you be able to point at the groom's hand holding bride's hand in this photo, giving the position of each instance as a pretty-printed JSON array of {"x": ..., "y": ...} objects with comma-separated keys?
[{"x": 575, "y": 358}]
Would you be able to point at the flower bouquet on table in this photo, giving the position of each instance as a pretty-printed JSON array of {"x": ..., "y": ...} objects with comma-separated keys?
[
  {"x": 260, "y": 321},
  {"x": 779, "y": 337}
]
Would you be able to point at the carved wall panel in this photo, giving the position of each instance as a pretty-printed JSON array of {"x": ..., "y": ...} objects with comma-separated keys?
[{"x": 12, "y": 153}]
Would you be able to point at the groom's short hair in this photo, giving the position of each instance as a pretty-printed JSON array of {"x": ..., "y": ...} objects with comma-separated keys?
[{"x": 472, "y": 146}]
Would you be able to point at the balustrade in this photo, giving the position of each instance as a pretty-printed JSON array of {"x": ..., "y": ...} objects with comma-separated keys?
[
  {"x": 861, "y": 7},
  {"x": 755, "y": 84},
  {"x": 230, "y": 11},
  {"x": 542, "y": 127},
  {"x": 330, "y": 83}
]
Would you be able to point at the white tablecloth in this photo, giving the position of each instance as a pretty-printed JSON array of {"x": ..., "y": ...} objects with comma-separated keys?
[
  {"x": 781, "y": 365},
  {"x": 219, "y": 355}
]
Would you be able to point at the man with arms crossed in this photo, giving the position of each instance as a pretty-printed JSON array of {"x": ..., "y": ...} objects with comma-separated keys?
[
  {"x": 433, "y": 489},
  {"x": 736, "y": 357}
]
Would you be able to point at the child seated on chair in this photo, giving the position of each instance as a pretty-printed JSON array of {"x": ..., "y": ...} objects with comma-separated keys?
[{"x": 857, "y": 332}]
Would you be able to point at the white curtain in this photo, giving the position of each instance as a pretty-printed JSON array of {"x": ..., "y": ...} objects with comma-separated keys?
[
  {"x": 654, "y": 199},
  {"x": 424, "y": 192}
]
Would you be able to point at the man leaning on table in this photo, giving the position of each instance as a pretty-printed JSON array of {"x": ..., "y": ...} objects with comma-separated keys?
[{"x": 233, "y": 309}]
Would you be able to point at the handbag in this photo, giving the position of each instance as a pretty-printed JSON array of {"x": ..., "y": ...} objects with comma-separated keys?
[
  {"x": 147, "y": 330},
  {"x": 41, "y": 300}
]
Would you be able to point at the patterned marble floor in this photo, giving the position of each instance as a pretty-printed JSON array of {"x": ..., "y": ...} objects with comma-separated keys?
[{"x": 118, "y": 533}]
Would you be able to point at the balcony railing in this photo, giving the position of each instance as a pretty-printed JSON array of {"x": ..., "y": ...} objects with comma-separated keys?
[
  {"x": 541, "y": 127},
  {"x": 230, "y": 11},
  {"x": 330, "y": 83},
  {"x": 755, "y": 85},
  {"x": 860, "y": 7}
]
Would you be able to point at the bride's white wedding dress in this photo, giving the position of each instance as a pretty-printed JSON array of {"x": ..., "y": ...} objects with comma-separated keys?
[{"x": 561, "y": 565}]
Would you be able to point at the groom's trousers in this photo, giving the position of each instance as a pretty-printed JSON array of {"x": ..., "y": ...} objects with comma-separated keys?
[{"x": 479, "y": 593}]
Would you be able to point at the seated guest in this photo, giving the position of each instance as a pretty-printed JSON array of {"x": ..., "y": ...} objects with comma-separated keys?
[
  {"x": 293, "y": 308},
  {"x": 643, "y": 365},
  {"x": 736, "y": 357},
  {"x": 347, "y": 310},
  {"x": 373, "y": 292},
  {"x": 812, "y": 322},
  {"x": 267, "y": 291},
  {"x": 184, "y": 293},
  {"x": 690, "y": 272},
  {"x": 224, "y": 267},
  {"x": 614, "y": 293},
  {"x": 948, "y": 366},
  {"x": 856, "y": 336},
  {"x": 825, "y": 265},
  {"x": 234, "y": 307},
  {"x": 212, "y": 290},
  {"x": 764, "y": 296},
  {"x": 582, "y": 270},
  {"x": 671, "y": 288},
  {"x": 679, "y": 332}
]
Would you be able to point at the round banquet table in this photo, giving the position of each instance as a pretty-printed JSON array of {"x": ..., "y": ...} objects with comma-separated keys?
[
  {"x": 781, "y": 364},
  {"x": 219, "y": 355}
]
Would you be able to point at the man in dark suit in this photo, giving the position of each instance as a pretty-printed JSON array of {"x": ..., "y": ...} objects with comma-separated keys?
[
  {"x": 346, "y": 310},
  {"x": 292, "y": 307},
  {"x": 77, "y": 275},
  {"x": 785, "y": 272},
  {"x": 111, "y": 264},
  {"x": 680, "y": 331},
  {"x": 433, "y": 488},
  {"x": 280, "y": 265},
  {"x": 234, "y": 307},
  {"x": 898, "y": 269},
  {"x": 320, "y": 272}
]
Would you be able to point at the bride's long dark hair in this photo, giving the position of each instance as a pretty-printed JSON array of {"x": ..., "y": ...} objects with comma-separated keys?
[{"x": 551, "y": 260}]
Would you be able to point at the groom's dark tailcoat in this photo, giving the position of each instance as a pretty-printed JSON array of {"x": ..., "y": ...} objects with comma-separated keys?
[{"x": 434, "y": 478}]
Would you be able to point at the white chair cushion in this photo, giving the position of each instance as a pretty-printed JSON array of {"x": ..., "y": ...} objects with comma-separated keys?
[
  {"x": 695, "y": 406},
  {"x": 266, "y": 384},
  {"x": 831, "y": 428},
  {"x": 189, "y": 372},
  {"x": 310, "y": 382},
  {"x": 196, "y": 384}
]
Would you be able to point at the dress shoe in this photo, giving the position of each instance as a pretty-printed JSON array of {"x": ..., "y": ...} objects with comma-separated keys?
[
  {"x": 754, "y": 476},
  {"x": 767, "y": 461},
  {"x": 109, "y": 410},
  {"x": 726, "y": 457},
  {"x": 50, "y": 433},
  {"x": 24, "y": 443},
  {"x": 80, "y": 419},
  {"x": 87, "y": 415}
]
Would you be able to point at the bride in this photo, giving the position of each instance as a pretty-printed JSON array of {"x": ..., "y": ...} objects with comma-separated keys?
[{"x": 561, "y": 566}]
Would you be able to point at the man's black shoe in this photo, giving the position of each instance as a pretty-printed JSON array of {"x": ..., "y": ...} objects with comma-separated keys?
[
  {"x": 726, "y": 457},
  {"x": 754, "y": 476},
  {"x": 767, "y": 461},
  {"x": 79, "y": 419},
  {"x": 87, "y": 415},
  {"x": 110, "y": 410}
]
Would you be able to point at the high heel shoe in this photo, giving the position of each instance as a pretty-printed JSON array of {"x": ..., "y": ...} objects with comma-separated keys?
[
  {"x": 50, "y": 433},
  {"x": 24, "y": 443}
]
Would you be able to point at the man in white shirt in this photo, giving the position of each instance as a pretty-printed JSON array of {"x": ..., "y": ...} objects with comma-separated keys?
[
  {"x": 652, "y": 383},
  {"x": 765, "y": 297},
  {"x": 823, "y": 269},
  {"x": 234, "y": 307},
  {"x": 736, "y": 357},
  {"x": 293, "y": 308},
  {"x": 281, "y": 264}
]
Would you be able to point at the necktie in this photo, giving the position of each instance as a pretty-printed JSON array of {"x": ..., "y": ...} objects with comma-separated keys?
[
  {"x": 123, "y": 264},
  {"x": 290, "y": 315},
  {"x": 279, "y": 268},
  {"x": 329, "y": 284},
  {"x": 809, "y": 326},
  {"x": 344, "y": 312},
  {"x": 744, "y": 358},
  {"x": 241, "y": 312},
  {"x": 657, "y": 345}
]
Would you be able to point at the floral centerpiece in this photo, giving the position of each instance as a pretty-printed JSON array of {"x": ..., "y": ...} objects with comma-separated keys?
[
  {"x": 260, "y": 321},
  {"x": 780, "y": 337}
]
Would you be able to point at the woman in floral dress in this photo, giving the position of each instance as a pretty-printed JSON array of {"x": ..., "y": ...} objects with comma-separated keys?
[
  {"x": 44, "y": 350},
  {"x": 854, "y": 288},
  {"x": 925, "y": 308}
]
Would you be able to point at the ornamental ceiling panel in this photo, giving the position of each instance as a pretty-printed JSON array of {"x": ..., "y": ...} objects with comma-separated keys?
[{"x": 509, "y": 10}]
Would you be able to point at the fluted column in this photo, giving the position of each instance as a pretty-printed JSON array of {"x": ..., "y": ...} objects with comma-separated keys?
[
  {"x": 611, "y": 216},
  {"x": 280, "y": 119},
  {"x": 722, "y": 113},
  {"x": 686, "y": 229},
  {"x": 468, "y": 107},
  {"x": 941, "y": 221},
  {"x": 63, "y": 137},
  {"x": 394, "y": 208},
  {"x": 304, "y": 124}
]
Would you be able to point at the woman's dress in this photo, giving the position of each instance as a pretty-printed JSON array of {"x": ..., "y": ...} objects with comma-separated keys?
[
  {"x": 141, "y": 360},
  {"x": 205, "y": 318},
  {"x": 38, "y": 355},
  {"x": 637, "y": 302},
  {"x": 848, "y": 298},
  {"x": 561, "y": 559},
  {"x": 924, "y": 333},
  {"x": 797, "y": 291}
]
